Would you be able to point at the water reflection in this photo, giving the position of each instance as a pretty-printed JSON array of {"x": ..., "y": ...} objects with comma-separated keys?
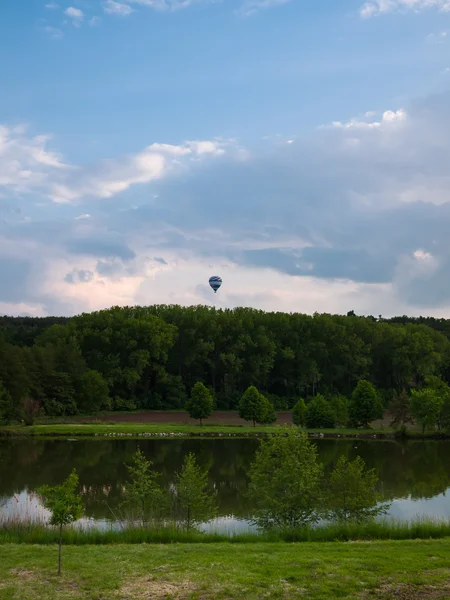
[{"x": 414, "y": 475}]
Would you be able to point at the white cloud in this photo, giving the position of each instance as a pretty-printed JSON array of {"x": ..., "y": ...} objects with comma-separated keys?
[
  {"x": 387, "y": 117},
  {"x": 113, "y": 7},
  {"x": 53, "y": 32},
  {"x": 437, "y": 38},
  {"x": 126, "y": 7},
  {"x": 380, "y": 7},
  {"x": 52, "y": 6},
  {"x": 250, "y": 7},
  {"x": 76, "y": 15},
  {"x": 112, "y": 177},
  {"x": 27, "y": 165},
  {"x": 25, "y": 162}
]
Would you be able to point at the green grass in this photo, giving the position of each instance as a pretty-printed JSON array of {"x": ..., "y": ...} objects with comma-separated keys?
[
  {"x": 137, "y": 429},
  {"x": 35, "y": 533},
  {"x": 408, "y": 570}
]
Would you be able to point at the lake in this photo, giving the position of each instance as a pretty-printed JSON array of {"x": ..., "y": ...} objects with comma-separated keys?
[{"x": 415, "y": 476}]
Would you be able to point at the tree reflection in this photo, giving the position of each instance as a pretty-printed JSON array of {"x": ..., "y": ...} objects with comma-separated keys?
[{"x": 417, "y": 469}]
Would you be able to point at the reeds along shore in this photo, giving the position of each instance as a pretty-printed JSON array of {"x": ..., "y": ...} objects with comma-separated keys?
[{"x": 20, "y": 532}]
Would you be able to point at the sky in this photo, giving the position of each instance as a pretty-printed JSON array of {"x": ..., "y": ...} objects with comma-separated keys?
[{"x": 300, "y": 149}]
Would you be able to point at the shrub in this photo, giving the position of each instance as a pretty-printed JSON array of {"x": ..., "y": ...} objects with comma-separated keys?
[{"x": 319, "y": 414}]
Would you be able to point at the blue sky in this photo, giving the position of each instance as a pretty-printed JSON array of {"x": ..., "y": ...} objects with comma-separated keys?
[{"x": 299, "y": 149}]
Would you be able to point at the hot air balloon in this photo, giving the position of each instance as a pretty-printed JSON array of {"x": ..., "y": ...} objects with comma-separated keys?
[{"x": 215, "y": 282}]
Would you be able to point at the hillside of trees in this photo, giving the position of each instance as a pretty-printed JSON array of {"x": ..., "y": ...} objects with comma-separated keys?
[{"x": 151, "y": 357}]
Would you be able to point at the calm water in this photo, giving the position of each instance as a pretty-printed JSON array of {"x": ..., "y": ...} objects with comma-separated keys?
[{"x": 414, "y": 475}]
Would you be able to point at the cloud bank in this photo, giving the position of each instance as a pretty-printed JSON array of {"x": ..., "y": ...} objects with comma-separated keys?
[
  {"x": 379, "y": 7},
  {"x": 354, "y": 216}
]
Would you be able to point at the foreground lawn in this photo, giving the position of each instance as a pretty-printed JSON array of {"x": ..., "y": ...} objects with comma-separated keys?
[
  {"x": 408, "y": 570},
  {"x": 136, "y": 429}
]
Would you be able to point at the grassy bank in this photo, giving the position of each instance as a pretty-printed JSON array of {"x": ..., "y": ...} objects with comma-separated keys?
[
  {"x": 29, "y": 533},
  {"x": 407, "y": 570},
  {"x": 118, "y": 429},
  {"x": 175, "y": 429}
]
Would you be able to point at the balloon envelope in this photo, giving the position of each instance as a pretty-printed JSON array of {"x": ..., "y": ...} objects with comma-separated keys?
[{"x": 215, "y": 282}]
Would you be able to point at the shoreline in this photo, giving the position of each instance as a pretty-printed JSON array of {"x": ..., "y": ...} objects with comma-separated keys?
[{"x": 170, "y": 431}]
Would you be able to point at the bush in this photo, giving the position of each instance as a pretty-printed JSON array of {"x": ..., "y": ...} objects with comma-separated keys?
[
  {"x": 29, "y": 410},
  {"x": 269, "y": 414},
  {"x": 340, "y": 406},
  {"x": 122, "y": 404},
  {"x": 299, "y": 413},
  {"x": 319, "y": 414}
]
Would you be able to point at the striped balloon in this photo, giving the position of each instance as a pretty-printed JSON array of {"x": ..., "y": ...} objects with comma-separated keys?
[{"x": 215, "y": 282}]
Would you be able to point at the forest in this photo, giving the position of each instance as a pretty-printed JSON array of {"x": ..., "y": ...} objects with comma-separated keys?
[{"x": 128, "y": 358}]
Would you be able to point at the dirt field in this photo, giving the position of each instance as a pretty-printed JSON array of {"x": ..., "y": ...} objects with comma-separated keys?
[{"x": 217, "y": 418}]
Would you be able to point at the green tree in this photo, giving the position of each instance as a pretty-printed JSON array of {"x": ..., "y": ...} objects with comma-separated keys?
[
  {"x": 93, "y": 393},
  {"x": 7, "y": 406},
  {"x": 268, "y": 415},
  {"x": 319, "y": 414},
  {"x": 299, "y": 413},
  {"x": 192, "y": 499},
  {"x": 340, "y": 407},
  {"x": 351, "y": 492},
  {"x": 201, "y": 403},
  {"x": 400, "y": 410},
  {"x": 425, "y": 406},
  {"x": 285, "y": 481},
  {"x": 365, "y": 405},
  {"x": 252, "y": 406},
  {"x": 144, "y": 500},
  {"x": 442, "y": 390},
  {"x": 64, "y": 504}
]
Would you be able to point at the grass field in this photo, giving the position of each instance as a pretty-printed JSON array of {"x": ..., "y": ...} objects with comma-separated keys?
[{"x": 407, "y": 570}]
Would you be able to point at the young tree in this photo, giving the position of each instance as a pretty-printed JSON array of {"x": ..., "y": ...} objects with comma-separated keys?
[
  {"x": 425, "y": 406},
  {"x": 351, "y": 492},
  {"x": 252, "y": 406},
  {"x": 7, "y": 407},
  {"x": 299, "y": 413},
  {"x": 285, "y": 481},
  {"x": 64, "y": 504},
  {"x": 144, "y": 499},
  {"x": 192, "y": 499},
  {"x": 29, "y": 410},
  {"x": 201, "y": 403},
  {"x": 400, "y": 410},
  {"x": 319, "y": 414},
  {"x": 365, "y": 405},
  {"x": 340, "y": 407},
  {"x": 268, "y": 415}
]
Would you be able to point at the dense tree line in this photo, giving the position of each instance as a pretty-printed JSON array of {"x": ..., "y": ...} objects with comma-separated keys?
[{"x": 152, "y": 357}]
